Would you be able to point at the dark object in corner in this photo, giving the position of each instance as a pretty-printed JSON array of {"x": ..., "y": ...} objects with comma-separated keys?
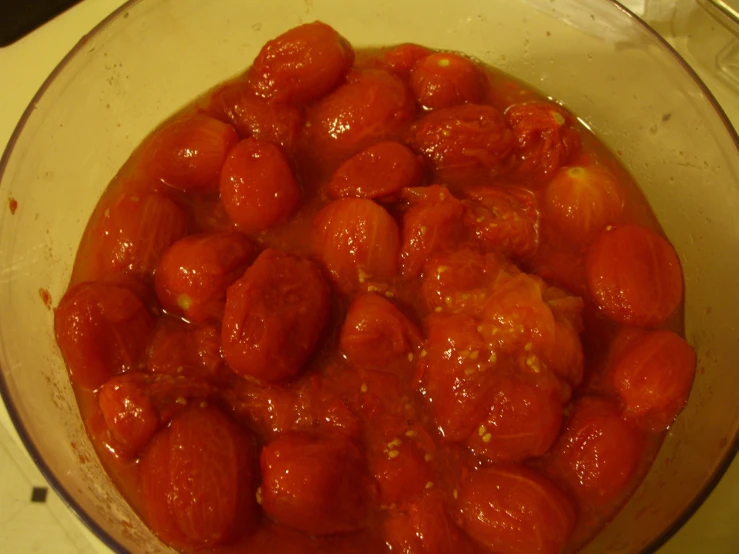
[
  {"x": 20, "y": 18},
  {"x": 38, "y": 494}
]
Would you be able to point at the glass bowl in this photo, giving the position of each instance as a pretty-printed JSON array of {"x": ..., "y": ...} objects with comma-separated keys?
[{"x": 151, "y": 57}]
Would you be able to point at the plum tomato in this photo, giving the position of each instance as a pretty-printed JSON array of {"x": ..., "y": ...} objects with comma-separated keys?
[
  {"x": 358, "y": 242},
  {"x": 301, "y": 65},
  {"x": 433, "y": 223},
  {"x": 523, "y": 422},
  {"x": 258, "y": 188},
  {"x": 318, "y": 486},
  {"x": 193, "y": 274},
  {"x": 545, "y": 139},
  {"x": 443, "y": 80},
  {"x": 102, "y": 330},
  {"x": 598, "y": 453},
  {"x": 373, "y": 105},
  {"x": 198, "y": 480},
  {"x": 188, "y": 154},
  {"x": 401, "y": 59},
  {"x": 129, "y": 415},
  {"x": 134, "y": 231},
  {"x": 400, "y": 471},
  {"x": 582, "y": 201},
  {"x": 654, "y": 377},
  {"x": 274, "y": 316},
  {"x": 376, "y": 333},
  {"x": 463, "y": 142},
  {"x": 378, "y": 172},
  {"x": 503, "y": 219},
  {"x": 634, "y": 276},
  {"x": 514, "y": 510}
]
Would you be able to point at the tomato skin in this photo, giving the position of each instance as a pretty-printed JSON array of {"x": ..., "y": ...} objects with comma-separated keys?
[
  {"x": 198, "y": 480},
  {"x": 102, "y": 329},
  {"x": 274, "y": 317},
  {"x": 503, "y": 219},
  {"x": 463, "y": 142},
  {"x": 193, "y": 274},
  {"x": 301, "y": 64},
  {"x": 401, "y": 59},
  {"x": 188, "y": 154},
  {"x": 634, "y": 276},
  {"x": 358, "y": 241},
  {"x": 378, "y": 172},
  {"x": 442, "y": 80},
  {"x": 134, "y": 231},
  {"x": 376, "y": 333},
  {"x": 545, "y": 139},
  {"x": 258, "y": 188},
  {"x": 654, "y": 377},
  {"x": 514, "y": 510},
  {"x": 129, "y": 414},
  {"x": 319, "y": 486},
  {"x": 598, "y": 452}
]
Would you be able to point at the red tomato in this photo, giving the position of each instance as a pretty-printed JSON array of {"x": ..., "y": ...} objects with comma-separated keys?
[
  {"x": 463, "y": 142},
  {"x": 134, "y": 231},
  {"x": 255, "y": 117},
  {"x": 378, "y": 172},
  {"x": 301, "y": 64},
  {"x": 503, "y": 219},
  {"x": 376, "y": 333},
  {"x": 188, "y": 153},
  {"x": 583, "y": 200},
  {"x": 598, "y": 453},
  {"x": 193, "y": 274},
  {"x": 654, "y": 377},
  {"x": 401, "y": 59},
  {"x": 102, "y": 330},
  {"x": 456, "y": 371},
  {"x": 269, "y": 410},
  {"x": 432, "y": 224},
  {"x": 442, "y": 80},
  {"x": 274, "y": 316},
  {"x": 258, "y": 188},
  {"x": 426, "y": 527},
  {"x": 129, "y": 415},
  {"x": 358, "y": 242},
  {"x": 523, "y": 421},
  {"x": 634, "y": 276},
  {"x": 400, "y": 471},
  {"x": 372, "y": 106},
  {"x": 319, "y": 486},
  {"x": 566, "y": 357},
  {"x": 514, "y": 510},
  {"x": 545, "y": 139},
  {"x": 198, "y": 480}
]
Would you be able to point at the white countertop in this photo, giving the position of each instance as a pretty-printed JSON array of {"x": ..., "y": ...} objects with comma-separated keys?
[{"x": 27, "y": 527}]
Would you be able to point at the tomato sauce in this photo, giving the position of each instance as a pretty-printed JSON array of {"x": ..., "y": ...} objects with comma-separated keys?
[{"x": 390, "y": 300}]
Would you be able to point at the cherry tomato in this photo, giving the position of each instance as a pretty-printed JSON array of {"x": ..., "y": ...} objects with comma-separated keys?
[
  {"x": 134, "y": 231},
  {"x": 432, "y": 224},
  {"x": 129, "y": 415},
  {"x": 198, "y": 480},
  {"x": 634, "y": 276},
  {"x": 401, "y": 59},
  {"x": 372, "y": 106},
  {"x": 583, "y": 200},
  {"x": 101, "y": 329},
  {"x": 193, "y": 274},
  {"x": 188, "y": 153},
  {"x": 302, "y": 64},
  {"x": 503, "y": 219},
  {"x": 358, "y": 242},
  {"x": 514, "y": 510},
  {"x": 319, "y": 486},
  {"x": 378, "y": 172},
  {"x": 258, "y": 188},
  {"x": 598, "y": 453},
  {"x": 545, "y": 139},
  {"x": 376, "y": 333},
  {"x": 274, "y": 316},
  {"x": 255, "y": 117},
  {"x": 442, "y": 80},
  {"x": 463, "y": 142},
  {"x": 654, "y": 377},
  {"x": 523, "y": 421}
]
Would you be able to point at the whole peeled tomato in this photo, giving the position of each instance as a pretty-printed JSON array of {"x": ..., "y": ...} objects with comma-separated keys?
[{"x": 442, "y": 80}]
